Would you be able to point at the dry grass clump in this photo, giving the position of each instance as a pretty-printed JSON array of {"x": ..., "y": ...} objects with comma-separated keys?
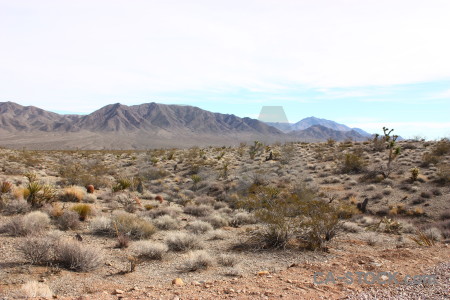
[
  {"x": 180, "y": 241},
  {"x": 166, "y": 222},
  {"x": 32, "y": 223},
  {"x": 76, "y": 256},
  {"x": 34, "y": 289},
  {"x": 72, "y": 194},
  {"x": 198, "y": 260},
  {"x": 199, "y": 227},
  {"x": 83, "y": 210},
  {"x": 150, "y": 250}
]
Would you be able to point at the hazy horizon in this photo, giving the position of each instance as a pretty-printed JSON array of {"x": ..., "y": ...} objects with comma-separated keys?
[{"x": 365, "y": 64}]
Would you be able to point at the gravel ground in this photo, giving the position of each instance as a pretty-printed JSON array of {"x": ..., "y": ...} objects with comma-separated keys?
[{"x": 439, "y": 290}]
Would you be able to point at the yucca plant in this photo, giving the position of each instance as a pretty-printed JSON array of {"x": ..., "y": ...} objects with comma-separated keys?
[
  {"x": 422, "y": 239},
  {"x": 5, "y": 187}
]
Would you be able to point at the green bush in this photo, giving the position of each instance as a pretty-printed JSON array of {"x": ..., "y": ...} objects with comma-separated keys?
[
  {"x": 291, "y": 214},
  {"x": 352, "y": 163}
]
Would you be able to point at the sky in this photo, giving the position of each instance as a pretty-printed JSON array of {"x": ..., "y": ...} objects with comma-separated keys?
[{"x": 363, "y": 63}]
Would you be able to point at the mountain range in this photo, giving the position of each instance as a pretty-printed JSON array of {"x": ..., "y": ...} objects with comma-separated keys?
[{"x": 152, "y": 125}]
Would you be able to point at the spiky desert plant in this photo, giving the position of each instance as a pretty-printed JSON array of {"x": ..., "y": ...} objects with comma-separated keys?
[
  {"x": 255, "y": 149},
  {"x": 414, "y": 173},
  {"x": 393, "y": 150}
]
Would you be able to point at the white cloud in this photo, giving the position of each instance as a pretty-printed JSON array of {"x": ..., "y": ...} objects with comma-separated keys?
[{"x": 86, "y": 49}]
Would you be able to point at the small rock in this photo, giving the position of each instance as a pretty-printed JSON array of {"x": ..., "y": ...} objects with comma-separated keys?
[
  {"x": 196, "y": 283},
  {"x": 263, "y": 273},
  {"x": 177, "y": 281},
  {"x": 118, "y": 292}
]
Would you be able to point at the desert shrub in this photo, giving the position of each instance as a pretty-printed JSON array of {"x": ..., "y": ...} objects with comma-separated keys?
[
  {"x": 442, "y": 147},
  {"x": 68, "y": 220},
  {"x": 37, "y": 250},
  {"x": 77, "y": 256},
  {"x": 444, "y": 227},
  {"x": 172, "y": 211},
  {"x": 387, "y": 225},
  {"x": 371, "y": 238},
  {"x": 122, "y": 241},
  {"x": 150, "y": 250},
  {"x": 101, "y": 226},
  {"x": 443, "y": 174},
  {"x": 216, "y": 220},
  {"x": 166, "y": 222},
  {"x": 153, "y": 173},
  {"x": 32, "y": 223},
  {"x": 242, "y": 217},
  {"x": 347, "y": 210},
  {"x": 198, "y": 260},
  {"x": 199, "y": 226},
  {"x": 83, "y": 210},
  {"x": 19, "y": 206},
  {"x": 34, "y": 289},
  {"x": 198, "y": 210},
  {"x": 217, "y": 235},
  {"x": 227, "y": 260},
  {"x": 433, "y": 233},
  {"x": 84, "y": 173},
  {"x": 205, "y": 200},
  {"x": 428, "y": 159},
  {"x": 181, "y": 241},
  {"x": 72, "y": 194},
  {"x": 445, "y": 215},
  {"x": 133, "y": 226},
  {"x": 351, "y": 227},
  {"x": 352, "y": 163},
  {"x": 288, "y": 214}
]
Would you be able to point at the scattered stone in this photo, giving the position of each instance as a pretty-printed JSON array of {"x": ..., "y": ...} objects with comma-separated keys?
[
  {"x": 177, "y": 281},
  {"x": 118, "y": 292},
  {"x": 263, "y": 273}
]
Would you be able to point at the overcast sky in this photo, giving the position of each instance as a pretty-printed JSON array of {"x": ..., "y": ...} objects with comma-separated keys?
[{"x": 363, "y": 63}]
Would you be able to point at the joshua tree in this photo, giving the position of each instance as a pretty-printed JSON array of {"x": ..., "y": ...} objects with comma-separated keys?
[{"x": 393, "y": 149}]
